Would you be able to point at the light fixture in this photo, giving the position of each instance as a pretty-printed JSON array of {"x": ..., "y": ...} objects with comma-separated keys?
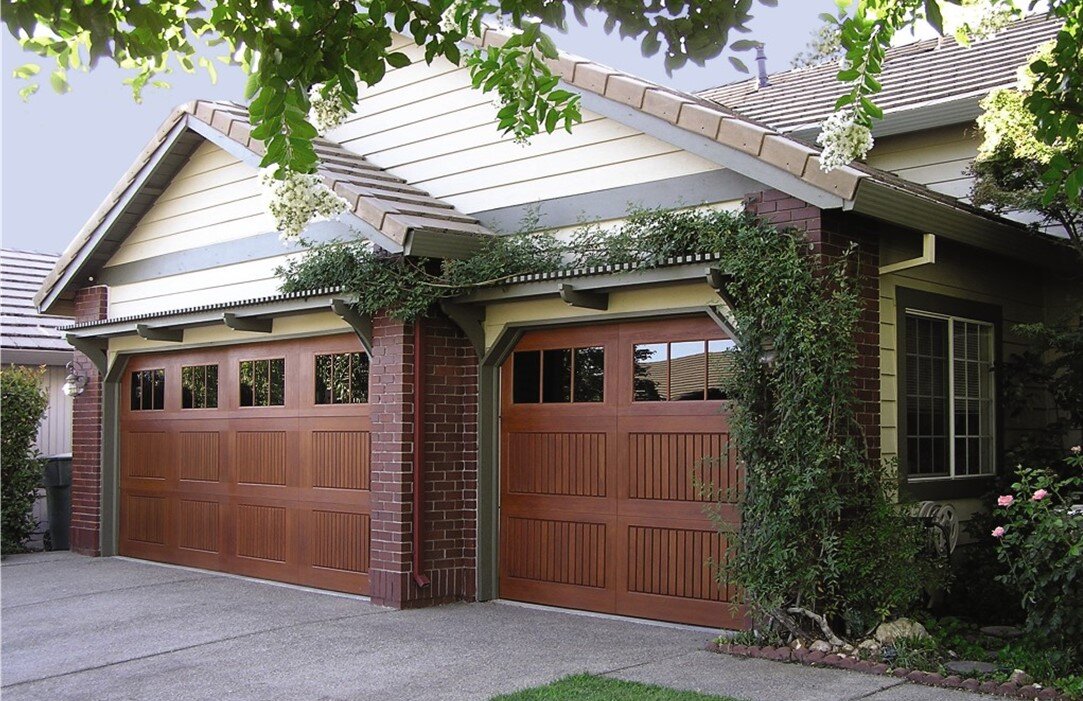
[{"x": 75, "y": 382}]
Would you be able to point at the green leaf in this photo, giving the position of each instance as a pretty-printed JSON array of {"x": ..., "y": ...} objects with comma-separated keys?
[
  {"x": 932, "y": 14},
  {"x": 251, "y": 86},
  {"x": 871, "y": 109},
  {"x": 26, "y": 71},
  {"x": 738, "y": 64},
  {"x": 398, "y": 59},
  {"x": 27, "y": 90},
  {"x": 59, "y": 81},
  {"x": 744, "y": 45}
]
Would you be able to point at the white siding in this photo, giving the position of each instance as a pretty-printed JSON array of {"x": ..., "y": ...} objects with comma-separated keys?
[
  {"x": 54, "y": 433},
  {"x": 213, "y": 198},
  {"x": 428, "y": 126},
  {"x": 937, "y": 158}
]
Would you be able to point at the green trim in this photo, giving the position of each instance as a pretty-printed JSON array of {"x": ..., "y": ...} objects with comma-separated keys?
[
  {"x": 109, "y": 534},
  {"x": 946, "y": 488}
]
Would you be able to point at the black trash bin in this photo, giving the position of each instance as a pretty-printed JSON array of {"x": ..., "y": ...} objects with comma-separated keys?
[{"x": 57, "y": 483}]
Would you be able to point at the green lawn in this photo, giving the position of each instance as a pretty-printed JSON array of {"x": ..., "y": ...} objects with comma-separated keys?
[{"x": 584, "y": 687}]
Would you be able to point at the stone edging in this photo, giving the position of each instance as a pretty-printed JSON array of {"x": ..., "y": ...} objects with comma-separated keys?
[{"x": 820, "y": 659}]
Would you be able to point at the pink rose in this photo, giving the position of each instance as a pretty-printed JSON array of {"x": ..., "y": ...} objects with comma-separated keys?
[
  {"x": 1039, "y": 495},
  {"x": 1005, "y": 500},
  {"x": 998, "y": 532}
]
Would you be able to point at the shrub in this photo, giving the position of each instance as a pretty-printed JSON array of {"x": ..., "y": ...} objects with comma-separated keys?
[
  {"x": 22, "y": 404},
  {"x": 1041, "y": 544}
]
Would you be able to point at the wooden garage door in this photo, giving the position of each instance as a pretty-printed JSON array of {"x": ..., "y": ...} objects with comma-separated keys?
[
  {"x": 606, "y": 432},
  {"x": 251, "y": 459}
]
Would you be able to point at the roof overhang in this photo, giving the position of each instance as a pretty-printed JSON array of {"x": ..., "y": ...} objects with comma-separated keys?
[{"x": 929, "y": 115}]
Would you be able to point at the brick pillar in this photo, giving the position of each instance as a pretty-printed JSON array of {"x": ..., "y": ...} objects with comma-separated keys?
[
  {"x": 450, "y": 470},
  {"x": 91, "y": 304},
  {"x": 830, "y": 233}
]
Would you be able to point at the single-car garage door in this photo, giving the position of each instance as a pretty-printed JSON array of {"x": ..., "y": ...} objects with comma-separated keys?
[
  {"x": 607, "y": 434},
  {"x": 251, "y": 459}
]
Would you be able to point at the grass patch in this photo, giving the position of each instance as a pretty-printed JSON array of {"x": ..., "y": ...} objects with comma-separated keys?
[{"x": 586, "y": 687}]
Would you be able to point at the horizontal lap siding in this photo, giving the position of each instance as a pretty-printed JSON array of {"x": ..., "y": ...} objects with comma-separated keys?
[
  {"x": 427, "y": 125},
  {"x": 936, "y": 158},
  {"x": 214, "y": 198}
]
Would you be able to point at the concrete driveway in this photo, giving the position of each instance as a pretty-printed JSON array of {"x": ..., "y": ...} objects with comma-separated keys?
[{"x": 84, "y": 628}]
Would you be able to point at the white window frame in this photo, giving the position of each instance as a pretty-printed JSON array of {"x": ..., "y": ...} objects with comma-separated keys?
[{"x": 951, "y": 319}]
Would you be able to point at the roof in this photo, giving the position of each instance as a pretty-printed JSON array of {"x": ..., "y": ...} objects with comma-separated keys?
[
  {"x": 25, "y": 335},
  {"x": 915, "y": 75},
  {"x": 391, "y": 211}
]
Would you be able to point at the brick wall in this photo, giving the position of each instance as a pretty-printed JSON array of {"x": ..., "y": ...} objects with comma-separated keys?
[
  {"x": 91, "y": 304},
  {"x": 830, "y": 233},
  {"x": 450, "y": 469}
]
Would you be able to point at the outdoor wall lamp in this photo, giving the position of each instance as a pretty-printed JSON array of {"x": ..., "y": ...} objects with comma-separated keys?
[{"x": 75, "y": 382}]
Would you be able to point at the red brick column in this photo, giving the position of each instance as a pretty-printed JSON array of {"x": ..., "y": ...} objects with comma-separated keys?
[
  {"x": 91, "y": 304},
  {"x": 450, "y": 470},
  {"x": 831, "y": 233}
]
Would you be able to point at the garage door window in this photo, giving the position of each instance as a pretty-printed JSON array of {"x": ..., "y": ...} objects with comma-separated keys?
[
  {"x": 263, "y": 382},
  {"x": 148, "y": 390},
  {"x": 681, "y": 370},
  {"x": 559, "y": 375},
  {"x": 199, "y": 387},
  {"x": 342, "y": 378}
]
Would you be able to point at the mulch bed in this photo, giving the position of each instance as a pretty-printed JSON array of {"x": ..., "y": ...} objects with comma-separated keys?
[{"x": 820, "y": 659}]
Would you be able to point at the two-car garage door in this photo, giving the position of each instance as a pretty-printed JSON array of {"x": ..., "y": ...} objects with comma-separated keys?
[
  {"x": 610, "y": 434},
  {"x": 252, "y": 459}
]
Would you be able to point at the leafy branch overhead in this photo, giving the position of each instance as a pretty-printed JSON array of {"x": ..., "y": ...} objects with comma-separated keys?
[{"x": 289, "y": 47}]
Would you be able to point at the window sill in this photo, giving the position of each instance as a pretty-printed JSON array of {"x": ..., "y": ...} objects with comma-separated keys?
[{"x": 946, "y": 488}]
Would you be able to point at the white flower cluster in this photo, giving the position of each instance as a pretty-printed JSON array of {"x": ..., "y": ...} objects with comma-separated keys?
[
  {"x": 982, "y": 19},
  {"x": 326, "y": 112},
  {"x": 449, "y": 22},
  {"x": 843, "y": 139},
  {"x": 297, "y": 200}
]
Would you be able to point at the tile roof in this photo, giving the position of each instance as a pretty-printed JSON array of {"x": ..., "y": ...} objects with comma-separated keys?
[
  {"x": 914, "y": 75},
  {"x": 21, "y": 327},
  {"x": 384, "y": 201}
]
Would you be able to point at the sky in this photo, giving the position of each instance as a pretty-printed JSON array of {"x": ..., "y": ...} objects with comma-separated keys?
[{"x": 60, "y": 155}]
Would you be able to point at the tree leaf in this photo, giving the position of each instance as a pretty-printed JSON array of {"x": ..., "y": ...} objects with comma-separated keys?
[
  {"x": 59, "y": 81},
  {"x": 744, "y": 45},
  {"x": 398, "y": 59},
  {"x": 933, "y": 16},
  {"x": 738, "y": 64},
  {"x": 26, "y": 71}
]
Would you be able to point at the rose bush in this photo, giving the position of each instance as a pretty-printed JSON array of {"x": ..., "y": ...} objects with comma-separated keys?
[{"x": 1041, "y": 543}]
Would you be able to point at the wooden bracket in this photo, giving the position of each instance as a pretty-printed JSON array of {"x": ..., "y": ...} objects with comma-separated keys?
[
  {"x": 583, "y": 298},
  {"x": 361, "y": 324},
  {"x": 152, "y": 334},
  {"x": 256, "y": 324},
  {"x": 96, "y": 349},
  {"x": 468, "y": 318}
]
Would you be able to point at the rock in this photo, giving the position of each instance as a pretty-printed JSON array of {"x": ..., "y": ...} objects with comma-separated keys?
[
  {"x": 969, "y": 667},
  {"x": 902, "y": 628},
  {"x": 796, "y": 644},
  {"x": 869, "y": 649},
  {"x": 1005, "y": 632},
  {"x": 1021, "y": 678},
  {"x": 820, "y": 646},
  {"x": 847, "y": 648}
]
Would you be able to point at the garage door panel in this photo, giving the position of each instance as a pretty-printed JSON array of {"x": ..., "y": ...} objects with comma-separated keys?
[
  {"x": 278, "y": 492},
  {"x": 635, "y": 471}
]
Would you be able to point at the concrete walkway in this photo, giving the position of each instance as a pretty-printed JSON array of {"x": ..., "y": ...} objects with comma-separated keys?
[{"x": 83, "y": 628}]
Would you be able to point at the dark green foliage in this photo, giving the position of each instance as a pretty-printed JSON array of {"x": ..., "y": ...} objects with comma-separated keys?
[
  {"x": 819, "y": 529},
  {"x": 409, "y": 287},
  {"x": 22, "y": 404}
]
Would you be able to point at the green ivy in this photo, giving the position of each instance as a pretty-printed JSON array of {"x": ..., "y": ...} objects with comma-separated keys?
[
  {"x": 820, "y": 529},
  {"x": 22, "y": 404}
]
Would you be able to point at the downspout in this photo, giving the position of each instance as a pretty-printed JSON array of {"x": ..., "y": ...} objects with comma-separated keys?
[{"x": 419, "y": 452}]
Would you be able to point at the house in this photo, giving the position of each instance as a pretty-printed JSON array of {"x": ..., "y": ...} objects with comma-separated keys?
[
  {"x": 31, "y": 339},
  {"x": 519, "y": 443}
]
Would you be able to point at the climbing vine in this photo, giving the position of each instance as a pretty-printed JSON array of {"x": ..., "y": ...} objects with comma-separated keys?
[{"x": 821, "y": 537}]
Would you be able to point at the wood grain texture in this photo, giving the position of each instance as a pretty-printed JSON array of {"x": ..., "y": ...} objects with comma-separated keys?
[
  {"x": 612, "y": 520},
  {"x": 275, "y": 492}
]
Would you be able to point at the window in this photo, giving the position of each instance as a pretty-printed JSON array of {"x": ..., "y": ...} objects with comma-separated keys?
[
  {"x": 949, "y": 407},
  {"x": 559, "y": 375},
  {"x": 199, "y": 387},
  {"x": 148, "y": 390},
  {"x": 263, "y": 382},
  {"x": 342, "y": 378},
  {"x": 681, "y": 370}
]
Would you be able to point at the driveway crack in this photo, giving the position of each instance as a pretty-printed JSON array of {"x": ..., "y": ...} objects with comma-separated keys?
[
  {"x": 103, "y": 591},
  {"x": 184, "y": 648},
  {"x": 894, "y": 683},
  {"x": 653, "y": 660}
]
